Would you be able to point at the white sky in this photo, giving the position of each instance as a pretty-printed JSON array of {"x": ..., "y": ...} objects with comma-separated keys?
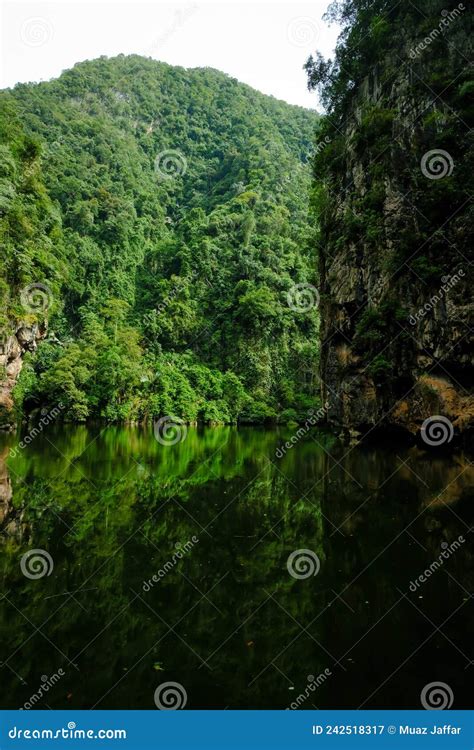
[{"x": 264, "y": 44}]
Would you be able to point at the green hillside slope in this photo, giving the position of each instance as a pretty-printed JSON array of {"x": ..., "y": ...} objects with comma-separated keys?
[{"x": 182, "y": 196}]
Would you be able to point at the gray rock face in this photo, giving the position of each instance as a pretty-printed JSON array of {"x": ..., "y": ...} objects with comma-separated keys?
[
  {"x": 12, "y": 348},
  {"x": 396, "y": 290},
  {"x": 431, "y": 362}
]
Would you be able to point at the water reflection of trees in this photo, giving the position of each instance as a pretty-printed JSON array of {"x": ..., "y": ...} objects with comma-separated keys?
[{"x": 111, "y": 508}]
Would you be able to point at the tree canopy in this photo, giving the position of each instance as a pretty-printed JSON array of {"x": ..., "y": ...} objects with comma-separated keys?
[{"x": 169, "y": 225}]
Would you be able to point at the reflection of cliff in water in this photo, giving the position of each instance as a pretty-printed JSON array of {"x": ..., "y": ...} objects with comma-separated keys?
[
  {"x": 11, "y": 519},
  {"x": 6, "y": 491},
  {"x": 422, "y": 479}
]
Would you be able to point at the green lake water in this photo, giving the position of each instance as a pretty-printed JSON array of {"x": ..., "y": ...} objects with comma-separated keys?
[{"x": 226, "y": 618}]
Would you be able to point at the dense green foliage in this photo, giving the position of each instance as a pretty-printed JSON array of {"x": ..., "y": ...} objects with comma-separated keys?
[
  {"x": 182, "y": 197},
  {"x": 30, "y": 224}
]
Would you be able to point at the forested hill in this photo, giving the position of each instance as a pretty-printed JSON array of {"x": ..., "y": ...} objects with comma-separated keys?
[{"x": 163, "y": 212}]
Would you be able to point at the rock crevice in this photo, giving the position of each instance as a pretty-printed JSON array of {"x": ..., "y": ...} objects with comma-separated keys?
[{"x": 13, "y": 346}]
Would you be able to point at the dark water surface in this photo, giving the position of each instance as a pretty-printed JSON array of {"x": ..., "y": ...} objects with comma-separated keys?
[{"x": 228, "y": 621}]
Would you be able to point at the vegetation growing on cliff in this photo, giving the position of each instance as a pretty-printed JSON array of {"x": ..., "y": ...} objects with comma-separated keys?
[
  {"x": 393, "y": 165},
  {"x": 180, "y": 207}
]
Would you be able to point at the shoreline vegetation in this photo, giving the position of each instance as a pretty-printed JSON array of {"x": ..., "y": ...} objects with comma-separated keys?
[
  {"x": 170, "y": 430},
  {"x": 41, "y": 418}
]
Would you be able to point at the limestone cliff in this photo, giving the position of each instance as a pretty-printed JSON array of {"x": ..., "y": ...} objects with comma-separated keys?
[
  {"x": 392, "y": 172},
  {"x": 12, "y": 349}
]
